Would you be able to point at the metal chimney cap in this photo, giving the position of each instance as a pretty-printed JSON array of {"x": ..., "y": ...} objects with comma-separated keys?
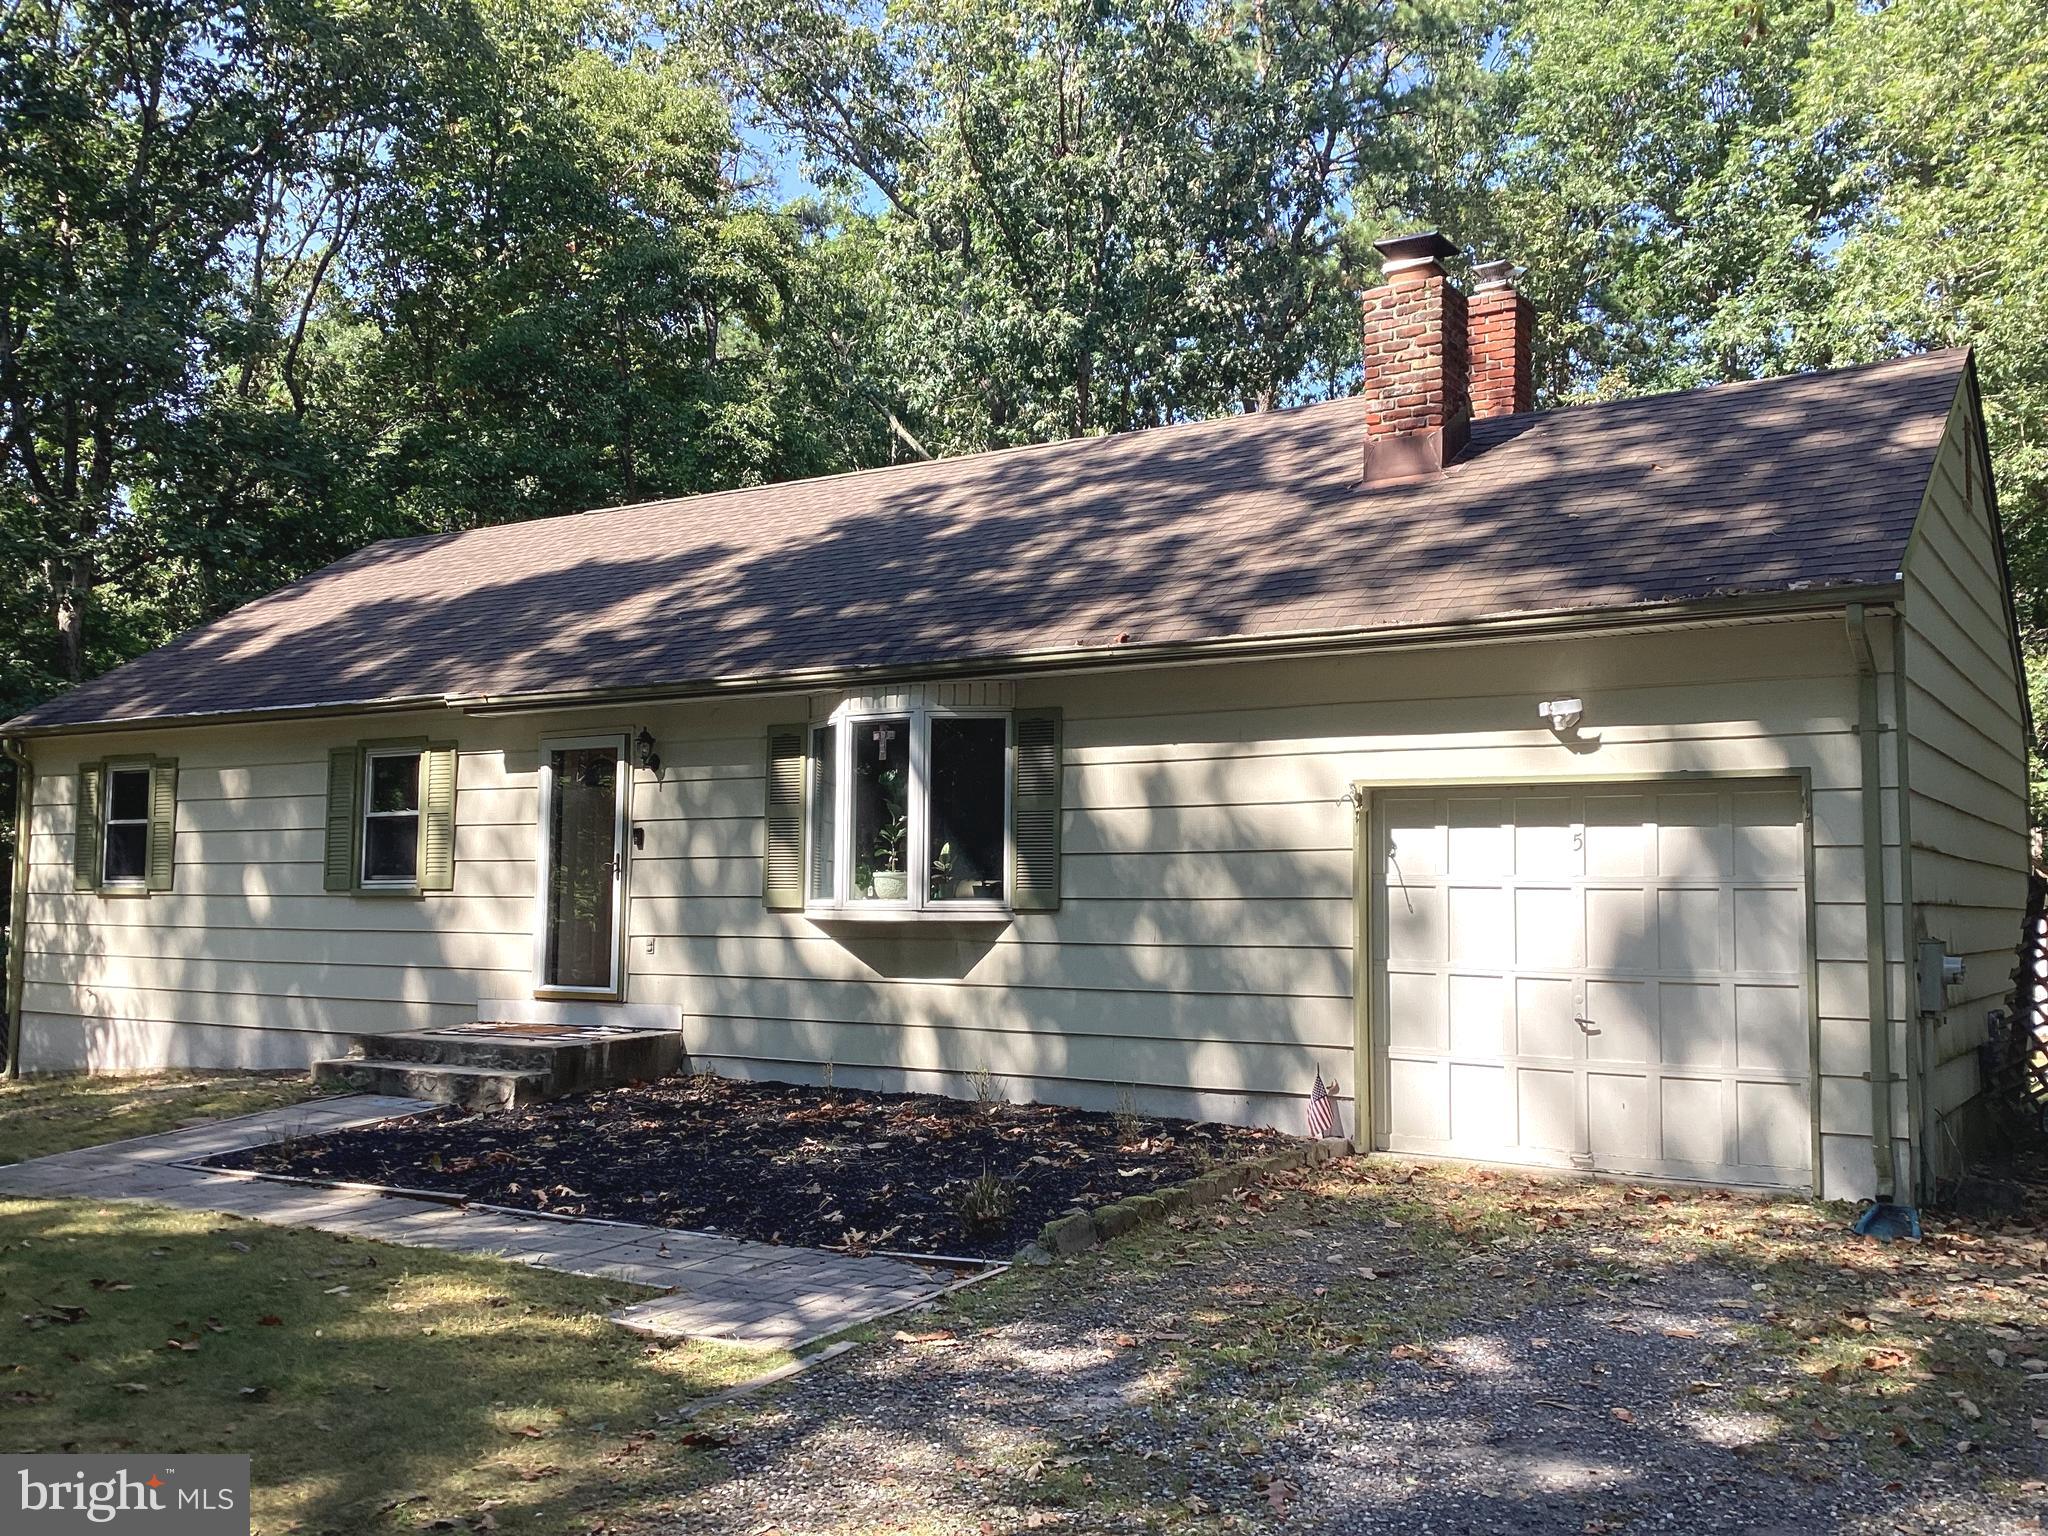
[
  {"x": 1403, "y": 253},
  {"x": 1492, "y": 275}
]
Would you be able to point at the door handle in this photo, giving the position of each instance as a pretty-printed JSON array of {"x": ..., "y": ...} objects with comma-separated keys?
[{"x": 1585, "y": 1025}]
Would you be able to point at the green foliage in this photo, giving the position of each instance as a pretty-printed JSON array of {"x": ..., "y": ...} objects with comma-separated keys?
[
  {"x": 1100, "y": 216},
  {"x": 1637, "y": 159},
  {"x": 1937, "y": 103}
]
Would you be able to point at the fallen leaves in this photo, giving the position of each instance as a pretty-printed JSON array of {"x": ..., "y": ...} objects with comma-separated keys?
[
  {"x": 55, "y": 1312},
  {"x": 1280, "y": 1495}
]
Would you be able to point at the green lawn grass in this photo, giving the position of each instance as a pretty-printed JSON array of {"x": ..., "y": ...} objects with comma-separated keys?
[
  {"x": 377, "y": 1388},
  {"x": 41, "y": 1115}
]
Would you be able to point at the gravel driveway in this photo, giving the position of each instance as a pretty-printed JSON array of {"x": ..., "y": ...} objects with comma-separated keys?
[{"x": 1386, "y": 1347}]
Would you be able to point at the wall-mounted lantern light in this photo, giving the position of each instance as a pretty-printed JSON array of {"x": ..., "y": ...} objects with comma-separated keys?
[{"x": 649, "y": 758}]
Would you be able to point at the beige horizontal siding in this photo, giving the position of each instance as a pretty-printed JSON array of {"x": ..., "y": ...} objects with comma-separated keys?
[
  {"x": 1965, "y": 746},
  {"x": 1202, "y": 955}
]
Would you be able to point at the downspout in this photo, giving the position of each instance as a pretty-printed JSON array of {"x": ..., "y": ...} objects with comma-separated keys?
[
  {"x": 1867, "y": 732},
  {"x": 17, "y": 907}
]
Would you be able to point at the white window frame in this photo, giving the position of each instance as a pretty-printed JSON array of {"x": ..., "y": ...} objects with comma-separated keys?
[
  {"x": 544, "y": 864},
  {"x": 917, "y": 904},
  {"x": 418, "y": 814},
  {"x": 108, "y": 821}
]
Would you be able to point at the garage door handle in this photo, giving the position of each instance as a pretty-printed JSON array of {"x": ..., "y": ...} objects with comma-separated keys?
[{"x": 1585, "y": 1026}]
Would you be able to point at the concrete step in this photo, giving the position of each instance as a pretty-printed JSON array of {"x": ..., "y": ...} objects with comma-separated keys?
[
  {"x": 440, "y": 1082},
  {"x": 569, "y": 1065}
]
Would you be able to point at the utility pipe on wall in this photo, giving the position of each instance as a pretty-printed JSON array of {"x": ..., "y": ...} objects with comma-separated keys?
[
  {"x": 17, "y": 909},
  {"x": 1867, "y": 732}
]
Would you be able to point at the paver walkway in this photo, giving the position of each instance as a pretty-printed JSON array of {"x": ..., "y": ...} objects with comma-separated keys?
[{"x": 720, "y": 1287}]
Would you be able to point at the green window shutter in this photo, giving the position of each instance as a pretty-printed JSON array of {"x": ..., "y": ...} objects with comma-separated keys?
[
  {"x": 344, "y": 769},
  {"x": 437, "y": 818},
  {"x": 782, "y": 872},
  {"x": 1035, "y": 812},
  {"x": 163, "y": 823},
  {"x": 85, "y": 847}
]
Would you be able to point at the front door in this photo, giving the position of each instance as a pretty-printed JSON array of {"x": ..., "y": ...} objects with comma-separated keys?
[{"x": 583, "y": 785}]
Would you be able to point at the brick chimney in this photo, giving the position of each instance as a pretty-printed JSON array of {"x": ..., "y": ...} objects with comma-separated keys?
[
  {"x": 1417, "y": 382},
  {"x": 1503, "y": 331}
]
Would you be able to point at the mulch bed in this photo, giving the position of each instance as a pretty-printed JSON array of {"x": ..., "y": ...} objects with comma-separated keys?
[{"x": 824, "y": 1168}]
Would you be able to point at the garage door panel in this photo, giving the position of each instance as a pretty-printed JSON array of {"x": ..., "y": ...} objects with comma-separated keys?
[
  {"x": 1692, "y": 837},
  {"x": 1618, "y": 1116},
  {"x": 1692, "y": 1121},
  {"x": 1618, "y": 835},
  {"x": 1695, "y": 1024},
  {"x": 1415, "y": 840},
  {"x": 1478, "y": 918},
  {"x": 1477, "y": 839},
  {"x": 1481, "y": 1109},
  {"x": 1547, "y": 1109},
  {"x": 1544, "y": 1017},
  {"x": 1769, "y": 842},
  {"x": 1770, "y": 930},
  {"x": 1415, "y": 1011},
  {"x": 1624, "y": 1013},
  {"x": 1770, "y": 1034},
  {"x": 1479, "y": 1015},
  {"x": 1415, "y": 924},
  {"x": 1617, "y": 978},
  {"x": 1773, "y": 1128},
  {"x": 1546, "y": 839},
  {"x": 1547, "y": 922},
  {"x": 1689, "y": 930},
  {"x": 1418, "y": 1095},
  {"x": 1620, "y": 934}
]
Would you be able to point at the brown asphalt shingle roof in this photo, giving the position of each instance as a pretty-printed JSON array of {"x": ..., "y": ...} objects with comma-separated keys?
[{"x": 1248, "y": 526}]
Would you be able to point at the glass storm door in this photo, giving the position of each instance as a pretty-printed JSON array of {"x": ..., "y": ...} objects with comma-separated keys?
[{"x": 583, "y": 818}]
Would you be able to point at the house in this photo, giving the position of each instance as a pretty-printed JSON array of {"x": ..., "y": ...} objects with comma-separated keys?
[{"x": 1572, "y": 787}]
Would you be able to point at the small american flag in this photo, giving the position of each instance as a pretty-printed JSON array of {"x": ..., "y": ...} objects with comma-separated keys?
[{"x": 1322, "y": 1108}]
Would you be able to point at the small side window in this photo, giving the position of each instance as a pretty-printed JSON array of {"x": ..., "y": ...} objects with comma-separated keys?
[
  {"x": 391, "y": 818},
  {"x": 124, "y": 850}
]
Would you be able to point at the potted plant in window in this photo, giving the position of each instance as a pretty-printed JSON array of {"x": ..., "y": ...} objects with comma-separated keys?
[
  {"x": 891, "y": 882},
  {"x": 952, "y": 878}
]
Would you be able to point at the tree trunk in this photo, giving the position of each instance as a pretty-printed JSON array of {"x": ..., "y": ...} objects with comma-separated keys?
[{"x": 73, "y": 600}]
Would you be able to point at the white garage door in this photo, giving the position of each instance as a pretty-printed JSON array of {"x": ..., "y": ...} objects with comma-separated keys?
[{"x": 1606, "y": 978}]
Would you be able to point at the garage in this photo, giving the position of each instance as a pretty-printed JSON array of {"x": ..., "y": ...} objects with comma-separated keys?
[{"x": 1604, "y": 977}]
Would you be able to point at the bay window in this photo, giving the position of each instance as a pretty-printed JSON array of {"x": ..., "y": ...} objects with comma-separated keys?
[{"x": 908, "y": 811}]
